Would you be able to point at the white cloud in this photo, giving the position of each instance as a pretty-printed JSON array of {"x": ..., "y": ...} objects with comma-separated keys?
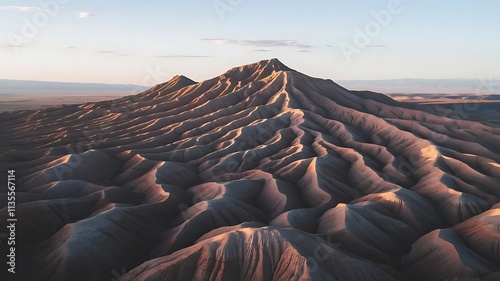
[
  {"x": 11, "y": 45},
  {"x": 84, "y": 15},
  {"x": 377, "y": 46},
  {"x": 182, "y": 56},
  {"x": 267, "y": 43},
  {"x": 21, "y": 8}
]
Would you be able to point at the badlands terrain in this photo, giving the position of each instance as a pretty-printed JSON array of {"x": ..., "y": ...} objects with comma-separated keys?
[{"x": 261, "y": 173}]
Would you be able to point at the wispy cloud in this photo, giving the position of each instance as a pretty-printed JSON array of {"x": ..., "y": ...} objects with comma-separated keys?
[
  {"x": 11, "y": 45},
  {"x": 114, "y": 53},
  {"x": 85, "y": 15},
  {"x": 182, "y": 56},
  {"x": 377, "y": 46},
  {"x": 68, "y": 47},
  {"x": 21, "y": 8},
  {"x": 262, "y": 50},
  {"x": 264, "y": 43}
]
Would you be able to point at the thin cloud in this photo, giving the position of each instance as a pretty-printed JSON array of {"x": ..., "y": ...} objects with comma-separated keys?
[
  {"x": 262, "y": 50},
  {"x": 377, "y": 46},
  {"x": 21, "y": 8},
  {"x": 85, "y": 15},
  {"x": 68, "y": 47},
  {"x": 12, "y": 46},
  {"x": 265, "y": 43},
  {"x": 114, "y": 53},
  {"x": 182, "y": 56}
]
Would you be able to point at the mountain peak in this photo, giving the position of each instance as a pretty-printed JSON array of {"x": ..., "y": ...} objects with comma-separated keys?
[
  {"x": 181, "y": 79},
  {"x": 276, "y": 63},
  {"x": 256, "y": 70},
  {"x": 176, "y": 82}
]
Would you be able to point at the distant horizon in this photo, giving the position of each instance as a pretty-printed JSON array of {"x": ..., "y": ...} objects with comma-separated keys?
[
  {"x": 484, "y": 86},
  {"x": 340, "y": 80},
  {"x": 386, "y": 86}
]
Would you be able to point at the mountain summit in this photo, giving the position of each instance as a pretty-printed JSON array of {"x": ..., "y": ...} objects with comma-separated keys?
[
  {"x": 261, "y": 173},
  {"x": 256, "y": 71}
]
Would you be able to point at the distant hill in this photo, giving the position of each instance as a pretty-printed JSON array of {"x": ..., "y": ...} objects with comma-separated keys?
[
  {"x": 23, "y": 87},
  {"x": 426, "y": 86}
]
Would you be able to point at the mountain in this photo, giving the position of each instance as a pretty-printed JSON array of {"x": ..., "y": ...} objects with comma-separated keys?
[{"x": 261, "y": 173}]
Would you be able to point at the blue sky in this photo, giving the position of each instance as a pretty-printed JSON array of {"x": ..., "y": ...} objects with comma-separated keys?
[{"x": 146, "y": 42}]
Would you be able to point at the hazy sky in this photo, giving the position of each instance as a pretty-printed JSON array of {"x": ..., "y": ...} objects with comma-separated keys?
[{"x": 146, "y": 42}]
